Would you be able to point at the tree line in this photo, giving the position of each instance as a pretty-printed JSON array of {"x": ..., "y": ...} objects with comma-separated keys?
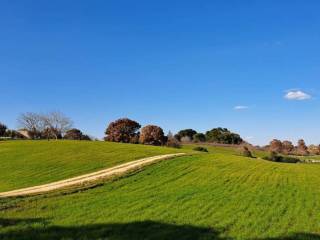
[
  {"x": 53, "y": 125},
  {"x": 215, "y": 135},
  {"x": 287, "y": 148},
  {"x": 129, "y": 131}
]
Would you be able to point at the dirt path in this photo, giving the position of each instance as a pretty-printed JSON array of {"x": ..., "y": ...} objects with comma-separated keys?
[{"x": 117, "y": 170}]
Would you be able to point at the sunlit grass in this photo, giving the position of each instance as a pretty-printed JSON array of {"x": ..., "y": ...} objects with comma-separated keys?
[
  {"x": 215, "y": 195},
  {"x": 29, "y": 163}
]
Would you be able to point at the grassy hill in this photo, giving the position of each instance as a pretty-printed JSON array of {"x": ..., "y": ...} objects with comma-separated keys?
[
  {"x": 217, "y": 195},
  {"x": 29, "y": 163}
]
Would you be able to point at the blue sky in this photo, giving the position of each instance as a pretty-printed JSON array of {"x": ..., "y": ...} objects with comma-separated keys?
[{"x": 177, "y": 64}]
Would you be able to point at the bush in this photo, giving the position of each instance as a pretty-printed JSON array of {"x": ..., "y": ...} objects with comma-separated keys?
[
  {"x": 85, "y": 137},
  {"x": 201, "y": 149},
  {"x": 76, "y": 134},
  {"x": 274, "y": 157},
  {"x": 246, "y": 152},
  {"x": 290, "y": 160},
  {"x": 172, "y": 141}
]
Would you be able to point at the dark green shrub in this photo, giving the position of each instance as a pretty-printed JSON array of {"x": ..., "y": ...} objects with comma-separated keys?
[
  {"x": 274, "y": 157},
  {"x": 201, "y": 149},
  {"x": 290, "y": 159},
  {"x": 86, "y": 137}
]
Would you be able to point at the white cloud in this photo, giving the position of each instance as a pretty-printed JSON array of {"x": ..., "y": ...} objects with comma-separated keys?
[
  {"x": 297, "y": 95},
  {"x": 240, "y": 107}
]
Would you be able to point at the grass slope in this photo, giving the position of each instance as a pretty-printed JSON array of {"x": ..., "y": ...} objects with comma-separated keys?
[
  {"x": 206, "y": 196},
  {"x": 29, "y": 163}
]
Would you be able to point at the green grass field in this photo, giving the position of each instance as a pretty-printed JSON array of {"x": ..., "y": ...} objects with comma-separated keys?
[
  {"x": 217, "y": 195},
  {"x": 29, "y": 163}
]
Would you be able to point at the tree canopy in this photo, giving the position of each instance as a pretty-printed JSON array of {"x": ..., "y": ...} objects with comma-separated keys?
[
  {"x": 3, "y": 129},
  {"x": 122, "y": 130},
  {"x": 185, "y": 133},
  {"x": 223, "y": 135},
  {"x": 152, "y": 135}
]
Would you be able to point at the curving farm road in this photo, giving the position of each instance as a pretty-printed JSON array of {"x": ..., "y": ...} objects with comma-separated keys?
[{"x": 91, "y": 177}]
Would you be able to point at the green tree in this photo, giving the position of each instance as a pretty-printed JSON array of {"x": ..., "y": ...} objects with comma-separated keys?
[
  {"x": 199, "y": 137},
  {"x": 3, "y": 129},
  {"x": 223, "y": 135},
  {"x": 185, "y": 133},
  {"x": 73, "y": 134}
]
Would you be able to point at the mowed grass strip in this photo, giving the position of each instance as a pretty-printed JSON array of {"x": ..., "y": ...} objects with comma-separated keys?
[
  {"x": 30, "y": 163},
  {"x": 208, "y": 196}
]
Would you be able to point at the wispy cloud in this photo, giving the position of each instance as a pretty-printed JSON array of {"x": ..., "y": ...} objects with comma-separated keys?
[
  {"x": 297, "y": 95},
  {"x": 240, "y": 107}
]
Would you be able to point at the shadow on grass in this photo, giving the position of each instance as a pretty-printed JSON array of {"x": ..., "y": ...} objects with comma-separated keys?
[
  {"x": 113, "y": 231},
  {"x": 6, "y": 222},
  {"x": 117, "y": 231}
]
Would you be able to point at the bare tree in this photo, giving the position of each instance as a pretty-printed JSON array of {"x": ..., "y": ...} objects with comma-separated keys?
[
  {"x": 51, "y": 125},
  {"x": 56, "y": 124},
  {"x": 32, "y": 122}
]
